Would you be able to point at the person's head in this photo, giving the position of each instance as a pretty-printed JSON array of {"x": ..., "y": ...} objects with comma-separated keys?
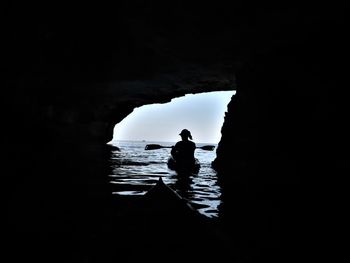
[{"x": 185, "y": 134}]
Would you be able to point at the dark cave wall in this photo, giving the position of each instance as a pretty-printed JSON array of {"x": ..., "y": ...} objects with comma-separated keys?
[
  {"x": 282, "y": 138},
  {"x": 67, "y": 81}
]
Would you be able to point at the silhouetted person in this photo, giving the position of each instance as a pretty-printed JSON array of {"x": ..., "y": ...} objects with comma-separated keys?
[{"x": 183, "y": 151}]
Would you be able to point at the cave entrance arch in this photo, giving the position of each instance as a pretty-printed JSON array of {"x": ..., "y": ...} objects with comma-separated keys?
[
  {"x": 202, "y": 114},
  {"x": 136, "y": 169}
]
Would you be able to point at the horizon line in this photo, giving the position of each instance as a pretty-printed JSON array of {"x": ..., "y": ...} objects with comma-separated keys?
[{"x": 142, "y": 140}]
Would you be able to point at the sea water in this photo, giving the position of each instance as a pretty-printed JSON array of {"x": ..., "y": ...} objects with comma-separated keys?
[{"x": 136, "y": 170}]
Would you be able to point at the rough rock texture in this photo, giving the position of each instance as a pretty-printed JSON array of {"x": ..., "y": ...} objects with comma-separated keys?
[
  {"x": 282, "y": 141},
  {"x": 72, "y": 72}
]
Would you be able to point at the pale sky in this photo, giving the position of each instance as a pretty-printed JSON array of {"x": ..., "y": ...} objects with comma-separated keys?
[{"x": 202, "y": 114}]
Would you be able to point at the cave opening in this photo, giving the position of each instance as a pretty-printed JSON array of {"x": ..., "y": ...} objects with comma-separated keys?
[
  {"x": 202, "y": 114},
  {"x": 136, "y": 169}
]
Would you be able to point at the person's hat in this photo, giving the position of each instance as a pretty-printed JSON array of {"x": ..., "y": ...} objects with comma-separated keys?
[{"x": 186, "y": 133}]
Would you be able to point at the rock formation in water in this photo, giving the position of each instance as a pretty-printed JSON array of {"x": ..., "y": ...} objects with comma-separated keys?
[{"x": 71, "y": 73}]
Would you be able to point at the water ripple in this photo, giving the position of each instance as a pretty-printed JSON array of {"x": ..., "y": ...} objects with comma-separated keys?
[{"x": 136, "y": 170}]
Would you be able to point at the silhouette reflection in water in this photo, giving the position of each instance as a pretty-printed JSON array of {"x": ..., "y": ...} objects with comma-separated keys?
[{"x": 184, "y": 185}]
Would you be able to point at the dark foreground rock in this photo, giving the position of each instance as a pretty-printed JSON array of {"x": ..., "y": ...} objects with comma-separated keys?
[{"x": 158, "y": 226}]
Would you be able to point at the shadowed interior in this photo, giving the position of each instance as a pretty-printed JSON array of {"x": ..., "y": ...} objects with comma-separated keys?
[{"x": 73, "y": 71}]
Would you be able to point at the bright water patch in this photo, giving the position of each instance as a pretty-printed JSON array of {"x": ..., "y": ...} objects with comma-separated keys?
[{"x": 136, "y": 170}]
